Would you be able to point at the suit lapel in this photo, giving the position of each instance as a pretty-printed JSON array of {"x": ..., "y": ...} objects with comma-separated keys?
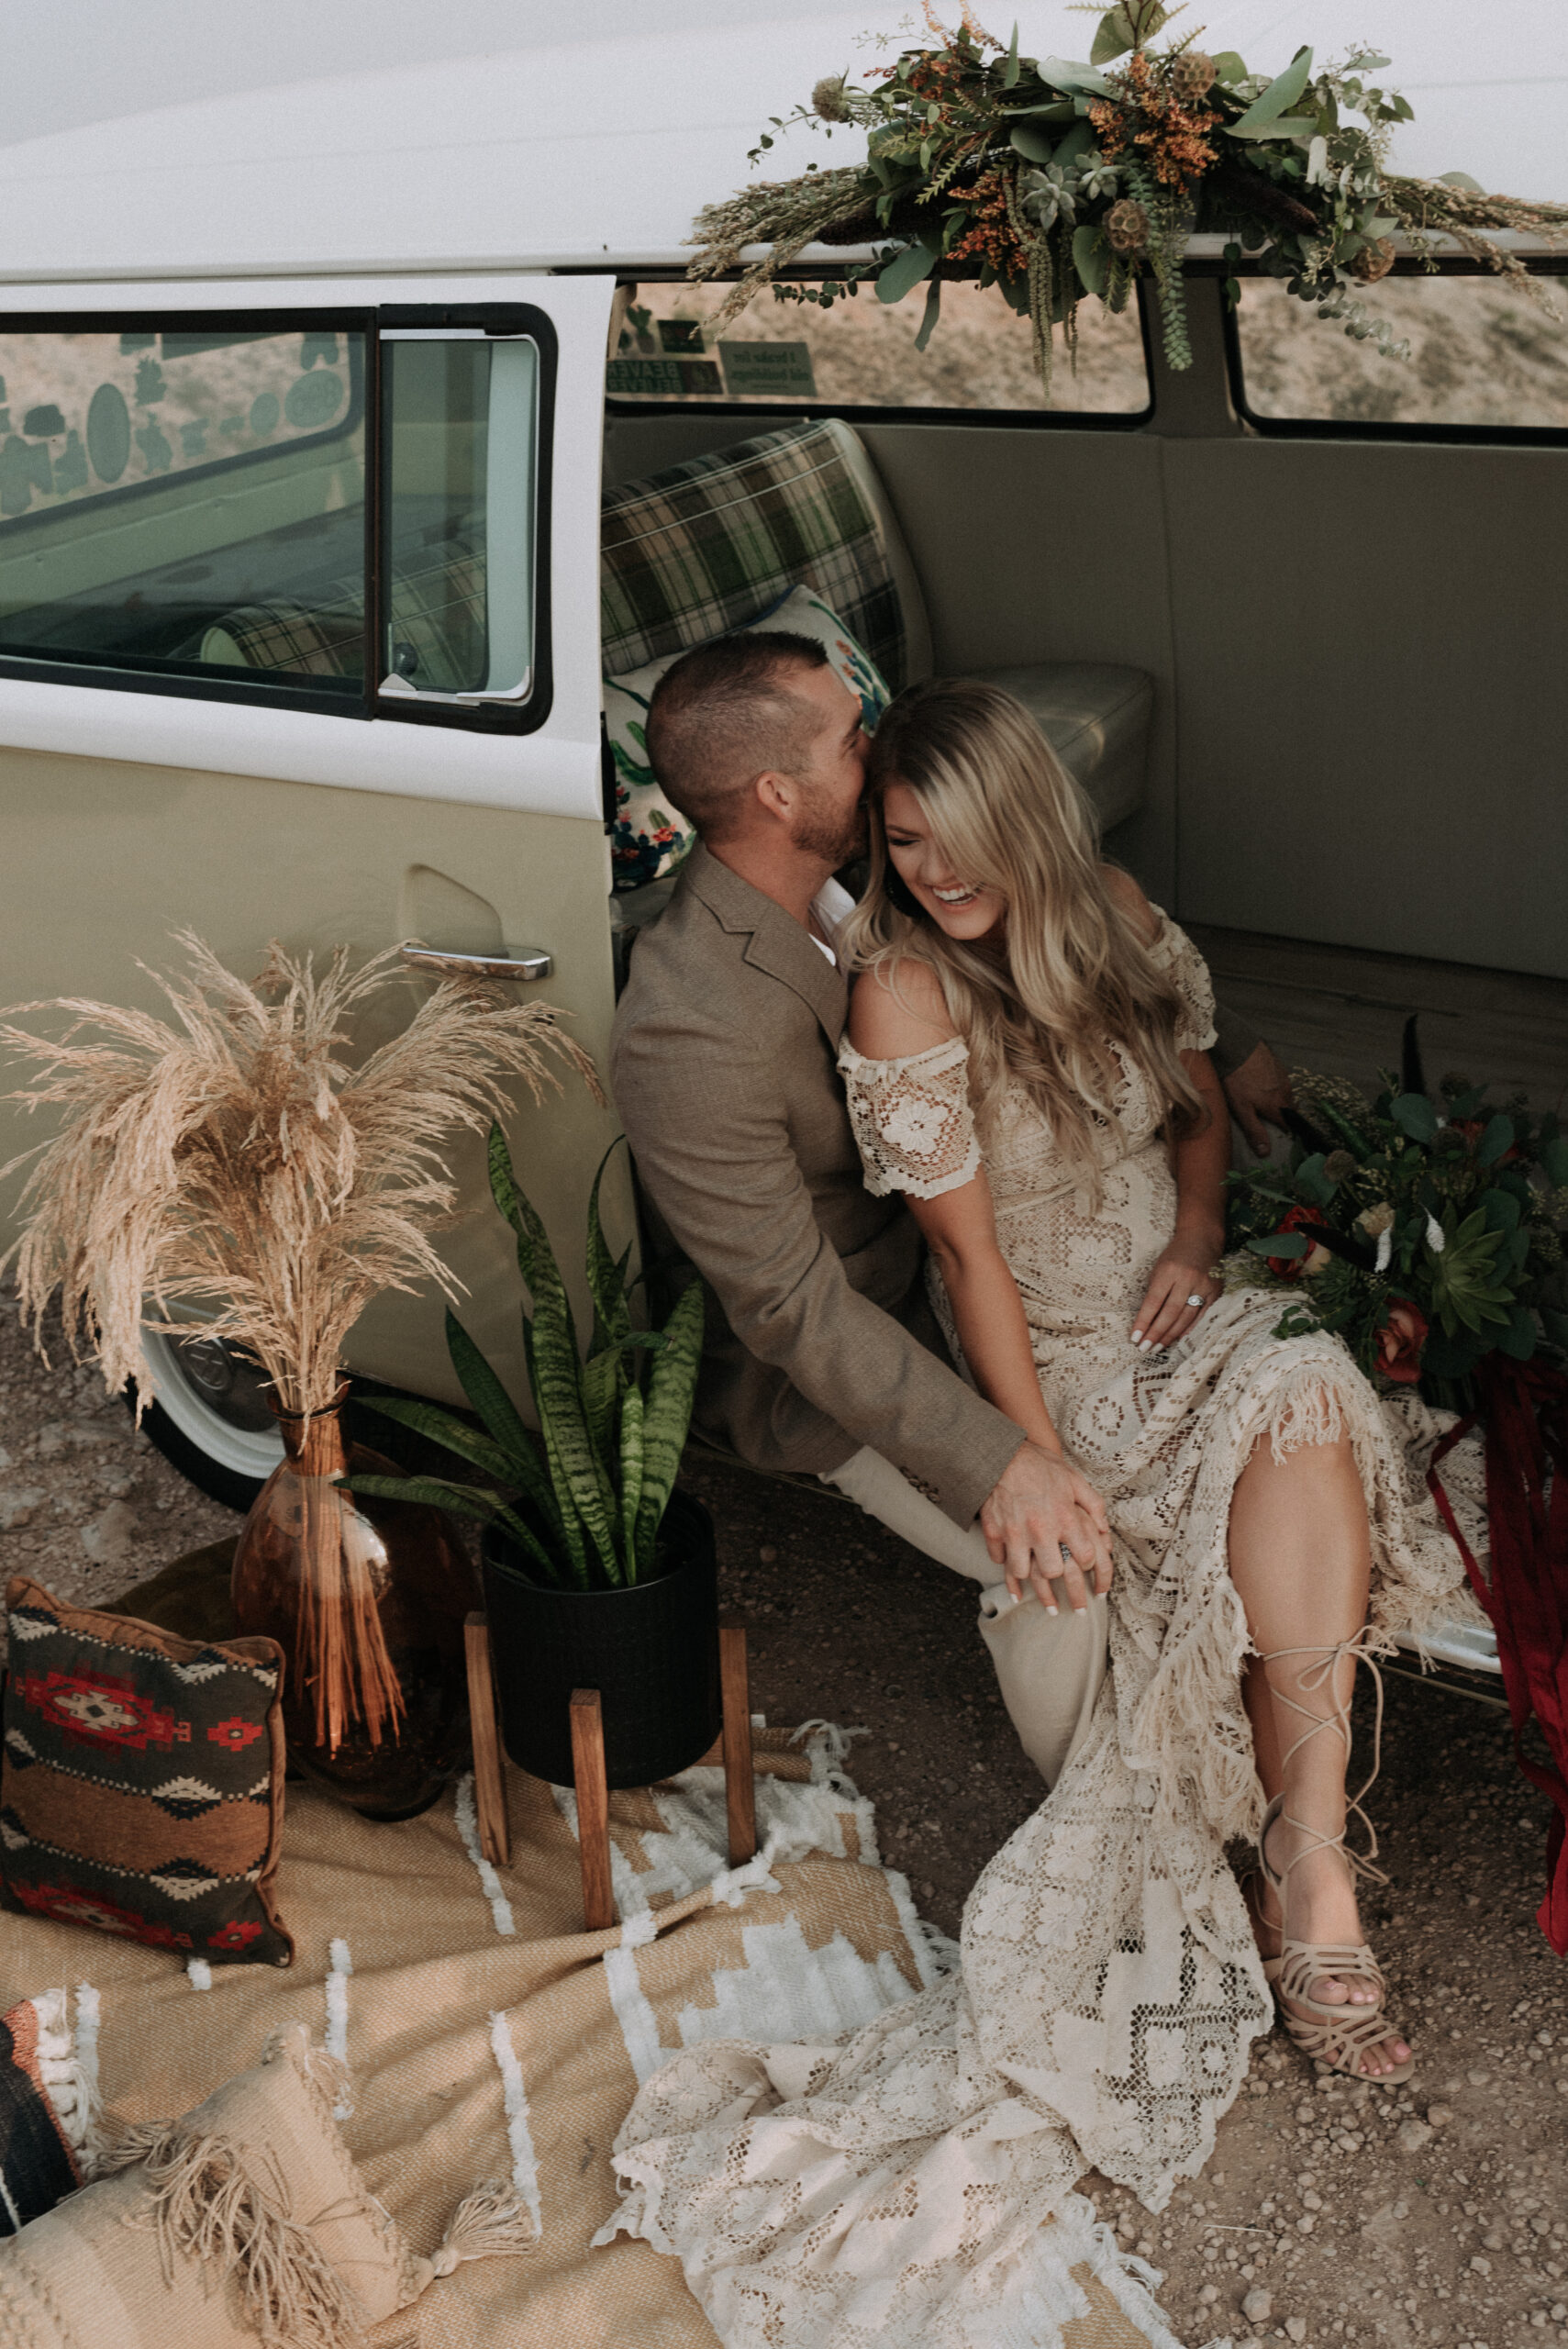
[{"x": 777, "y": 945}]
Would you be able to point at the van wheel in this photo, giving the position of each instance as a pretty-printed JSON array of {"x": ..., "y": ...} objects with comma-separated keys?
[{"x": 210, "y": 1420}]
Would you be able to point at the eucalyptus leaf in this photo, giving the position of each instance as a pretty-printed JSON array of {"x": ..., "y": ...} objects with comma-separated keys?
[
  {"x": 931, "y": 312},
  {"x": 1229, "y": 68},
  {"x": 1457, "y": 179},
  {"x": 1278, "y": 98},
  {"x": 1554, "y": 1158},
  {"x": 1080, "y": 80},
  {"x": 1501, "y": 1210},
  {"x": 906, "y": 271},
  {"x": 1299, "y": 126},
  {"x": 1499, "y": 1136},
  {"x": 1414, "y": 1115},
  {"x": 1078, "y": 141},
  {"x": 1030, "y": 143},
  {"x": 1090, "y": 260},
  {"x": 1010, "y": 70},
  {"x": 1280, "y": 1244}
]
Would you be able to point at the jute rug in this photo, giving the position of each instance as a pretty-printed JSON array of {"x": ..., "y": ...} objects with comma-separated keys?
[{"x": 486, "y": 2035}]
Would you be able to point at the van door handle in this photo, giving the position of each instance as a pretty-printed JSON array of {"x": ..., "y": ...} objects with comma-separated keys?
[{"x": 531, "y": 964}]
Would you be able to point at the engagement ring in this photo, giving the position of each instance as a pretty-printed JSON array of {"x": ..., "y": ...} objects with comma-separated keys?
[{"x": 1196, "y": 1302}]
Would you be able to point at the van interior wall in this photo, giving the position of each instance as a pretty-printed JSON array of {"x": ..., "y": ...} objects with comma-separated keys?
[{"x": 1353, "y": 644}]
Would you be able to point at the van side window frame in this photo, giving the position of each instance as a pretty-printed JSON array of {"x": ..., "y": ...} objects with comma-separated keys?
[
  {"x": 986, "y": 420},
  {"x": 274, "y": 690},
  {"x": 253, "y": 688},
  {"x": 1329, "y": 428}
]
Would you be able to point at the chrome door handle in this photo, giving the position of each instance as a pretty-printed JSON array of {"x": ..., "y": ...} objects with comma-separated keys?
[{"x": 531, "y": 964}]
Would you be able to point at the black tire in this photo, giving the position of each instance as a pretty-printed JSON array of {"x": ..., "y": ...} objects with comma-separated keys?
[{"x": 198, "y": 1467}]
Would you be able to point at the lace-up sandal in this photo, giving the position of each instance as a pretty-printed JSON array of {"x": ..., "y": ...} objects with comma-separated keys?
[{"x": 1337, "y": 2035}]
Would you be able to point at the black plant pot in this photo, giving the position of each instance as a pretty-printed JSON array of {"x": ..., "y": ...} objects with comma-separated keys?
[{"x": 651, "y": 1652}]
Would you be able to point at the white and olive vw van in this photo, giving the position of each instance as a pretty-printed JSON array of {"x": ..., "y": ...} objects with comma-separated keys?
[{"x": 349, "y": 441}]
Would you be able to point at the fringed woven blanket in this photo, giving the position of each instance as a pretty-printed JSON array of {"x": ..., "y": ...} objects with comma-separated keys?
[{"x": 486, "y": 2035}]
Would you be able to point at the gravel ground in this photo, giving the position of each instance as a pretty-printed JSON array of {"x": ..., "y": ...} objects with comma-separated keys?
[{"x": 1331, "y": 2212}]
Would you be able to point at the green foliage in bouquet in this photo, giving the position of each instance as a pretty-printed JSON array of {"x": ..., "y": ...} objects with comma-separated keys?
[
  {"x": 1055, "y": 181},
  {"x": 588, "y": 1512},
  {"x": 1428, "y": 1235}
]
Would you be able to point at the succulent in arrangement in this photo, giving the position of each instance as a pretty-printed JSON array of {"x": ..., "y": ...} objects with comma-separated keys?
[
  {"x": 1428, "y": 1234},
  {"x": 1055, "y": 180},
  {"x": 587, "y": 1513}
]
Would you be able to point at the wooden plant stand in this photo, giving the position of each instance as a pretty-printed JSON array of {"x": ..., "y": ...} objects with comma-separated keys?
[{"x": 733, "y": 1749}]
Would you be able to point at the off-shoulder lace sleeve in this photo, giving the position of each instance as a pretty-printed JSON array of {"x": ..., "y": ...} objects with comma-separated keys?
[
  {"x": 912, "y": 1119},
  {"x": 1174, "y": 953}
]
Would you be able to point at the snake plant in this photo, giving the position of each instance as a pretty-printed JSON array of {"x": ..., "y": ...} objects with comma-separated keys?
[{"x": 587, "y": 1514}]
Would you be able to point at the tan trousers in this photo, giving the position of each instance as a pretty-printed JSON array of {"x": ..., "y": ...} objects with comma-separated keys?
[{"x": 1049, "y": 1668}]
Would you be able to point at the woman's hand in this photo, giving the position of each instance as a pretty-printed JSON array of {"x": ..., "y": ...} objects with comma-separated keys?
[{"x": 1185, "y": 1271}]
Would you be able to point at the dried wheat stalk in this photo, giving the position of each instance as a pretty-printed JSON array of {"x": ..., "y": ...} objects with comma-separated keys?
[{"x": 235, "y": 1159}]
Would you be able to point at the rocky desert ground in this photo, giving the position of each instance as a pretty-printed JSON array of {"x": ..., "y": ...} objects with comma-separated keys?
[{"x": 1332, "y": 2213}]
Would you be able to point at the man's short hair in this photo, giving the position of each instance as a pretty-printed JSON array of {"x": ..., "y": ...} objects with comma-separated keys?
[{"x": 724, "y": 714}]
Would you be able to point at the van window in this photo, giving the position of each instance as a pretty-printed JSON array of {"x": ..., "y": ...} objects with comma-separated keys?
[
  {"x": 858, "y": 353},
  {"x": 462, "y": 422},
  {"x": 1485, "y": 359},
  {"x": 186, "y": 502}
]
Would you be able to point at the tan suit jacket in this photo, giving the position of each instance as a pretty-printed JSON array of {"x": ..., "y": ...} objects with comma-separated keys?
[{"x": 723, "y": 1063}]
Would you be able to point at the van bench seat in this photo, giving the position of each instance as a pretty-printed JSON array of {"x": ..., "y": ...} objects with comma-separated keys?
[{"x": 1096, "y": 717}]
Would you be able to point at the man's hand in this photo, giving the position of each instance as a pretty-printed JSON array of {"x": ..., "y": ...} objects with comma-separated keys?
[
  {"x": 1259, "y": 1089},
  {"x": 1040, "y": 1508}
]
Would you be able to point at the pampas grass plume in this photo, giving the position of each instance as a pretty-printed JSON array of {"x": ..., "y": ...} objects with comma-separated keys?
[{"x": 231, "y": 1157}]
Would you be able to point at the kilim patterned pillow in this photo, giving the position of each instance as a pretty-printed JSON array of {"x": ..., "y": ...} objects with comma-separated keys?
[{"x": 141, "y": 1789}]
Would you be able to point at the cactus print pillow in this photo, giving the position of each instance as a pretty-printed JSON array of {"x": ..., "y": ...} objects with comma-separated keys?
[
  {"x": 651, "y": 837},
  {"x": 142, "y": 1784}
]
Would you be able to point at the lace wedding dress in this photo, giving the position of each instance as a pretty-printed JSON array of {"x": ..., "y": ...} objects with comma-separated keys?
[{"x": 912, "y": 2183}]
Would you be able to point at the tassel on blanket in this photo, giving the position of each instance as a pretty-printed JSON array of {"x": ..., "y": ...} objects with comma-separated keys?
[
  {"x": 495, "y": 2222},
  {"x": 210, "y": 2204}
]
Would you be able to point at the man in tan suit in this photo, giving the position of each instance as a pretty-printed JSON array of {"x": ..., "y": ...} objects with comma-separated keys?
[{"x": 821, "y": 1352}]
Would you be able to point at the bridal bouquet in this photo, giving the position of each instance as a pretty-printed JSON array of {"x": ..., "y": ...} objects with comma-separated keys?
[
  {"x": 1055, "y": 181},
  {"x": 1429, "y": 1234}
]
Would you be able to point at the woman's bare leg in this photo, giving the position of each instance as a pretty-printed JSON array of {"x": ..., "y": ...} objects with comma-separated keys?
[{"x": 1301, "y": 1561}]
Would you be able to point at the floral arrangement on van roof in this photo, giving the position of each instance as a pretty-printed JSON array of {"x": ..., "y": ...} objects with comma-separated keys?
[
  {"x": 1428, "y": 1231},
  {"x": 1055, "y": 182}
]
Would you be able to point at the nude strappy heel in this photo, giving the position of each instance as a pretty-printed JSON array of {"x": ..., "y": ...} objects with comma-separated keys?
[{"x": 1335, "y": 2035}]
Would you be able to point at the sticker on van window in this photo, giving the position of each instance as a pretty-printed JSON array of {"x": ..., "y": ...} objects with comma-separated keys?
[
  {"x": 782, "y": 369},
  {"x": 666, "y": 379}
]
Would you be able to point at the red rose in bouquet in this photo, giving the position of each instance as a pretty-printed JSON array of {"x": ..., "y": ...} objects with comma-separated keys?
[
  {"x": 1290, "y": 1268},
  {"x": 1401, "y": 1341}
]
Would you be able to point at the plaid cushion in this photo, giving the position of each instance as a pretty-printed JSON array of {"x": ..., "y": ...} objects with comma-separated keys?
[
  {"x": 285, "y": 635},
  {"x": 709, "y": 545},
  {"x": 438, "y": 609}
]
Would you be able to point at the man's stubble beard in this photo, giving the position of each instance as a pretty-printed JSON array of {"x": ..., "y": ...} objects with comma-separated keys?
[{"x": 837, "y": 836}]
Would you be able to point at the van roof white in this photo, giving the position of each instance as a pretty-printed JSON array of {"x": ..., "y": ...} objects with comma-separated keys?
[{"x": 594, "y": 154}]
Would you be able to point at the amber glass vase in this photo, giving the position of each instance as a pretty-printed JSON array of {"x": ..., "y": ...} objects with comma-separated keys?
[{"x": 367, "y": 1598}]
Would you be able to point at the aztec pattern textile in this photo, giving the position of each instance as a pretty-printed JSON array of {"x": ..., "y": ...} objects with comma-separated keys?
[
  {"x": 709, "y": 545},
  {"x": 43, "y": 2109},
  {"x": 486, "y": 2035},
  {"x": 141, "y": 1789},
  {"x": 888, "y": 2188}
]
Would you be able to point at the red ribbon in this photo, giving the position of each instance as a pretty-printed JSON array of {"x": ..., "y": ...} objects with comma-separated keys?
[{"x": 1524, "y": 1406}]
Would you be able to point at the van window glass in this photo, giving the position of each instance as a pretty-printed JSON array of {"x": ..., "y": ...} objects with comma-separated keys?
[
  {"x": 461, "y": 430},
  {"x": 1483, "y": 354},
  {"x": 860, "y": 353},
  {"x": 186, "y": 503}
]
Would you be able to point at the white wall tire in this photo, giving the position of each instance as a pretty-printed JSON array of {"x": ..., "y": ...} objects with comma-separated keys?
[{"x": 209, "y": 1419}]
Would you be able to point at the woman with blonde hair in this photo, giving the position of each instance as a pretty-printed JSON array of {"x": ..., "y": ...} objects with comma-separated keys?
[{"x": 1025, "y": 1059}]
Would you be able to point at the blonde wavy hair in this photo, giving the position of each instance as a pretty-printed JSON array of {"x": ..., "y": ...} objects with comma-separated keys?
[{"x": 1078, "y": 978}]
